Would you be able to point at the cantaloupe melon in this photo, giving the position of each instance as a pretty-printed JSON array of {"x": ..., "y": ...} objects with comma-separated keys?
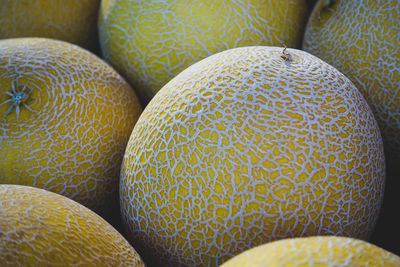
[
  {"x": 68, "y": 130},
  {"x": 248, "y": 146},
  {"x": 149, "y": 42},
  {"x": 316, "y": 251},
  {"x": 41, "y": 228}
]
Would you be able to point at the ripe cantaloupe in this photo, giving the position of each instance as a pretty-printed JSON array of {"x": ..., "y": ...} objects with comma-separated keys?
[
  {"x": 149, "y": 42},
  {"x": 316, "y": 251},
  {"x": 248, "y": 146},
  {"x": 74, "y": 21},
  {"x": 65, "y": 120},
  {"x": 362, "y": 40},
  {"x": 41, "y": 228}
]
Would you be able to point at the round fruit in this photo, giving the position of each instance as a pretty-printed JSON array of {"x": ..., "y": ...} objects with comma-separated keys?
[
  {"x": 72, "y": 21},
  {"x": 362, "y": 40},
  {"x": 247, "y": 146},
  {"x": 150, "y": 42},
  {"x": 38, "y": 227},
  {"x": 65, "y": 120},
  {"x": 316, "y": 251}
]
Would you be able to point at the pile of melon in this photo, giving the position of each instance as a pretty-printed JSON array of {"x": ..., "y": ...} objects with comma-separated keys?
[{"x": 199, "y": 133}]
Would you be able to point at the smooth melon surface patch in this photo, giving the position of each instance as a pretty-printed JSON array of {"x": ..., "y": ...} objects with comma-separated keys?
[
  {"x": 41, "y": 228},
  {"x": 149, "y": 42},
  {"x": 245, "y": 147},
  {"x": 69, "y": 135},
  {"x": 316, "y": 251}
]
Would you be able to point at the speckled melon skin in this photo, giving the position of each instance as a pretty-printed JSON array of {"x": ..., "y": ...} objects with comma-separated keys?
[
  {"x": 243, "y": 148},
  {"x": 331, "y": 251},
  {"x": 362, "y": 40},
  {"x": 72, "y": 21},
  {"x": 41, "y": 228},
  {"x": 150, "y": 42},
  {"x": 82, "y": 112}
]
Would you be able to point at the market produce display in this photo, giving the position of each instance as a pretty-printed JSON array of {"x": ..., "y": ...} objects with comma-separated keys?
[{"x": 199, "y": 133}]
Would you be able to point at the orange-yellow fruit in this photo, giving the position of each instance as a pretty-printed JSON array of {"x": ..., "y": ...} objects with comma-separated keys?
[
  {"x": 41, "y": 228},
  {"x": 247, "y": 146},
  {"x": 150, "y": 42},
  {"x": 72, "y": 21},
  {"x": 315, "y": 251},
  {"x": 71, "y": 126},
  {"x": 362, "y": 40}
]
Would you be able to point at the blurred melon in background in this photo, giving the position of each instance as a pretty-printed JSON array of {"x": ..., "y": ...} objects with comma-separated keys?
[
  {"x": 149, "y": 42},
  {"x": 74, "y": 21}
]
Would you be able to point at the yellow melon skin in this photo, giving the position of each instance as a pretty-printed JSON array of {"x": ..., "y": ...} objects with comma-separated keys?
[
  {"x": 70, "y": 134},
  {"x": 72, "y": 21},
  {"x": 41, "y": 228},
  {"x": 316, "y": 251},
  {"x": 150, "y": 42},
  {"x": 362, "y": 40},
  {"x": 245, "y": 147}
]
